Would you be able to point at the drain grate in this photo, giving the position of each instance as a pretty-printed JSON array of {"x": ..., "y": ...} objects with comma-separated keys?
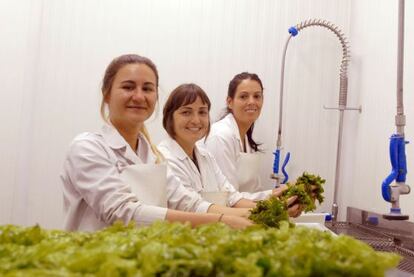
[
  {"x": 377, "y": 240},
  {"x": 406, "y": 264},
  {"x": 358, "y": 231}
]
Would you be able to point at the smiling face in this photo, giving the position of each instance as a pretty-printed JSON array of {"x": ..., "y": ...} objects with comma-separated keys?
[
  {"x": 191, "y": 123},
  {"x": 133, "y": 96},
  {"x": 247, "y": 102}
]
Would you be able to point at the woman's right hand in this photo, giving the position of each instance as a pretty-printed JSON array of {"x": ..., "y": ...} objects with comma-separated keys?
[
  {"x": 236, "y": 222},
  {"x": 294, "y": 209}
]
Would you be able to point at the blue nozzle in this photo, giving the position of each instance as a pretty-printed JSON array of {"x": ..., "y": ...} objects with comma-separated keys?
[{"x": 293, "y": 31}]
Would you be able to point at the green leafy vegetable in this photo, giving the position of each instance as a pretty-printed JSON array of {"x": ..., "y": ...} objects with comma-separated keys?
[
  {"x": 307, "y": 188},
  {"x": 269, "y": 212},
  {"x": 167, "y": 249}
]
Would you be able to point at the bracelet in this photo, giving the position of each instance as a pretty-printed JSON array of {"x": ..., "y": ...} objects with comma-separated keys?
[{"x": 220, "y": 217}]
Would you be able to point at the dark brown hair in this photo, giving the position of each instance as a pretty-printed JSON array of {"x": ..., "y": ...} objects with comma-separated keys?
[
  {"x": 234, "y": 83},
  {"x": 113, "y": 68},
  {"x": 182, "y": 95}
]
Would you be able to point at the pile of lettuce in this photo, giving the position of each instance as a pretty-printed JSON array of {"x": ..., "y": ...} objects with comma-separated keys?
[
  {"x": 270, "y": 212},
  {"x": 172, "y": 249}
]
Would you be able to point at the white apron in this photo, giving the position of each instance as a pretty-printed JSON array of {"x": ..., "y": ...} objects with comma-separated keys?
[
  {"x": 248, "y": 172},
  {"x": 148, "y": 182},
  {"x": 216, "y": 197}
]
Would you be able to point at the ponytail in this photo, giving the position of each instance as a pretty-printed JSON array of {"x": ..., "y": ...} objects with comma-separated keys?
[
  {"x": 157, "y": 153},
  {"x": 254, "y": 145}
]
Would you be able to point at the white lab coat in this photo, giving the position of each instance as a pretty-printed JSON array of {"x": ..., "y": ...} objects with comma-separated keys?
[
  {"x": 94, "y": 191},
  {"x": 225, "y": 145},
  {"x": 208, "y": 179}
]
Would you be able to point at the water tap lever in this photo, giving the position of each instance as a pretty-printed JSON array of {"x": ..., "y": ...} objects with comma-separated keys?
[{"x": 391, "y": 191}]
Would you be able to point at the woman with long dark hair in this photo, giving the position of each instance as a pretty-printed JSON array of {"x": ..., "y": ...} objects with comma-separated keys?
[{"x": 231, "y": 138}]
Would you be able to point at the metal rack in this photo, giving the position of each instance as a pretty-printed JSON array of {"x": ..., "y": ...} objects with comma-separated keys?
[
  {"x": 377, "y": 240},
  {"x": 389, "y": 236}
]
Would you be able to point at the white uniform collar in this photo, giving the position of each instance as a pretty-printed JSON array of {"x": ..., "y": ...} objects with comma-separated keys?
[
  {"x": 113, "y": 137},
  {"x": 177, "y": 151},
  {"x": 117, "y": 142},
  {"x": 235, "y": 129}
]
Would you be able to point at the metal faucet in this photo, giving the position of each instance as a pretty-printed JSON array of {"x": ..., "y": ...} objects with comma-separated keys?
[{"x": 343, "y": 92}]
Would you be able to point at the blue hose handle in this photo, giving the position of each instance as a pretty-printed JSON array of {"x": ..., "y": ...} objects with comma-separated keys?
[
  {"x": 276, "y": 165},
  {"x": 402, "y": 161},
  {"x": 398, "y": 164},
  {"x": 276, "y": 162},
  {"x": 283, "y": 168}
]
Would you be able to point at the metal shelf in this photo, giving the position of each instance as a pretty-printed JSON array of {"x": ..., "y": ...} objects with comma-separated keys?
[{"x": 379, "y": 238}]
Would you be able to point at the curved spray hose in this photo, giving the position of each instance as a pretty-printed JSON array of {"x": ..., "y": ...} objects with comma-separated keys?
[{"x": 343, "y": 92}]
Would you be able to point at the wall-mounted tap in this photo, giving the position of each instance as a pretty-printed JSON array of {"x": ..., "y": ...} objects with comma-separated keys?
[{"x": 391, "y": 191}]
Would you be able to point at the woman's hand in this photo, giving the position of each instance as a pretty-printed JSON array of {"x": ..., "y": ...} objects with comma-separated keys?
[
  {"x": 294, "y": 210},
  {"x": 313, "y": 190},
  {"x": 236, "y": 222},
  {"x": 242, "y": 212}
]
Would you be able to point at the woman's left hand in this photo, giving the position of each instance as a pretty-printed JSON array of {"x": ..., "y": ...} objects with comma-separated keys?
[{"x": 294, "y": 210}]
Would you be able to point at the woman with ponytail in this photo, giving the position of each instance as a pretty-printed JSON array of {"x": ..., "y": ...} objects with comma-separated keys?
[
  {"x": 117, "y": 174},
  {"x": 231, "y": 138}
]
